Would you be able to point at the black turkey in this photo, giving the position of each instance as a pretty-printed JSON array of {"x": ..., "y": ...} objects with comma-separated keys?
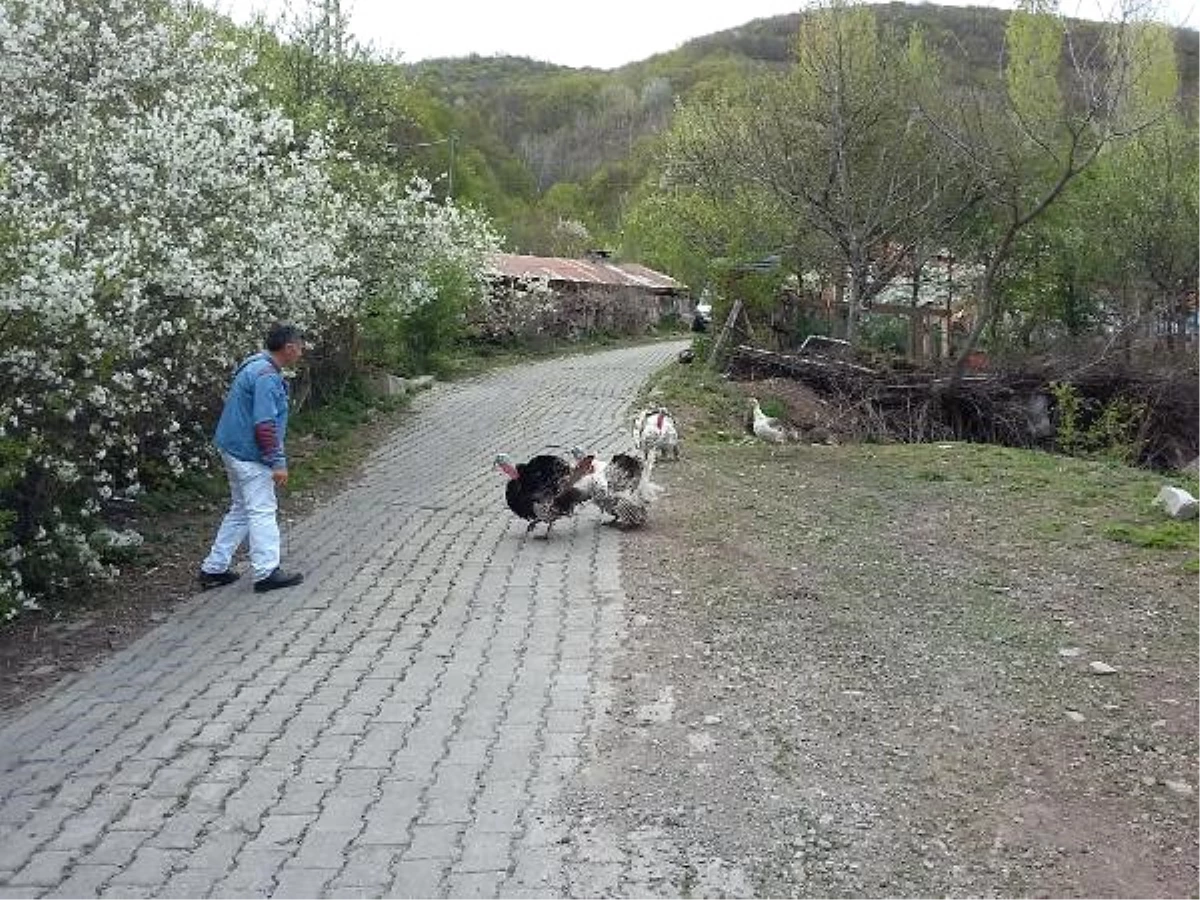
[{"x": 543, "y": 489}]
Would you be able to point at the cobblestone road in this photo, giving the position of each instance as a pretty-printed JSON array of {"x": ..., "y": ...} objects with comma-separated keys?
[{"x": 402, "y": 724}]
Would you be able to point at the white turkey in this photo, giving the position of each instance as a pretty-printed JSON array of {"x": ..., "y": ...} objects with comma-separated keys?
[
  {"x": 620, "y": 487},
  {"x": 655, "y": 429},
  {"x": 545, "y": 488},
  {"x": 767, "y": 428}
]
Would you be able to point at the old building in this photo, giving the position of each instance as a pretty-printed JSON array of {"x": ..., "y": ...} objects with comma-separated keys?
[{"x": 561, "y": 297}]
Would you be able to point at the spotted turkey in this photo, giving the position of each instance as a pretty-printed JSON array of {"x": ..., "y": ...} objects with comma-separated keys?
[
  {"x": 620, "y": 487},
  {"x": 545, "y": 489},
  {"x": 655, "y": 429}
]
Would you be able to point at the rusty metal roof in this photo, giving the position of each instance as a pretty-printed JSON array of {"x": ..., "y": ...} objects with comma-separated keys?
[{"x": 583, "y": 271}]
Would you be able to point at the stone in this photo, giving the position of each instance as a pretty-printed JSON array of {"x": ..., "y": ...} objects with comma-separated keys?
[
  {"x": 384, "y": 385},
  {"x": 1177, "y": 503}
]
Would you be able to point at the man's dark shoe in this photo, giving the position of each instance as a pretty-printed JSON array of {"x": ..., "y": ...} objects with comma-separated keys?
[
  {"x": 278, "y": 579},
  {"x": 217, "y": 579}
]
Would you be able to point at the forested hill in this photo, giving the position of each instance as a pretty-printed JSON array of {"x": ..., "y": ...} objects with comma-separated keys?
[{"x": 585, "y": 129}]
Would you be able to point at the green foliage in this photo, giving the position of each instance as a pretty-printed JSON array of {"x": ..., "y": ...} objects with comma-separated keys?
[
  {"x": 773, "y": 406},
  {"x": 887, "y": 334},
  {"x": 13, "y": 456},
  {"x": 1131, "y": 222},
  {"x": 1034, "y": 45},
  {"x": 827, "y": 153},
  {"x": 1168, "y": 535},
  {"x": 192, "y": 487},
  {"x": 1151, "y": 48},
  {"x": 1110, "y": 430},
  {"x": 697, "y": 237},
  {"x": 1050, "y": 295},
  {"x": 414, "y": 341}
]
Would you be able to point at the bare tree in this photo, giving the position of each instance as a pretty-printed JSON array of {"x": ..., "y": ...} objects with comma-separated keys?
[
  {"x": 836, "y": 144},
  {"x": 1063, "y": 101}
]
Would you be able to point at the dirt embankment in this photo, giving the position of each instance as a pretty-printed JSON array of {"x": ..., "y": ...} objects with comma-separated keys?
[{"x": 869, "y": 671}]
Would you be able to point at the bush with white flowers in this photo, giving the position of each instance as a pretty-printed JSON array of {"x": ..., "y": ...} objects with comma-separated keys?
[
  {"x": 422, "y": 265},
  {"x": 515, "y": 308},
  {"x": 155, "y": 215}
]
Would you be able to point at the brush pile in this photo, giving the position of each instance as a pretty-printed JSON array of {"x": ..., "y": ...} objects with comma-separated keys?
[{"x": 1059, "y": 405}]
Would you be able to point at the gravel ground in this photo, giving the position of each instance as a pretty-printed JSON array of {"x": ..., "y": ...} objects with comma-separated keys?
[{"x": 867, "y": 671}]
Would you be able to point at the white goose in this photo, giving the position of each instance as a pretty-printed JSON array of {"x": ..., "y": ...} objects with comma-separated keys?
[{"x": 767, "y": 428}]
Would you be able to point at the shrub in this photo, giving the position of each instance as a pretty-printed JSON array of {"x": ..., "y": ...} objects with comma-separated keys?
[
  {"x": 155, "y": 215},
  {"x": 1087, "y": 427}
]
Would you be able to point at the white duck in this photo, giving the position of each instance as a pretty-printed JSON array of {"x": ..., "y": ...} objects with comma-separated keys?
[
  {"x": 767, "y": 428},
  {"x": 655, "y": 429}
]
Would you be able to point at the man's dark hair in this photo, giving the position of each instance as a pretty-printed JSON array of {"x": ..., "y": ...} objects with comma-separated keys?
[{"x": 281, "y": 334}]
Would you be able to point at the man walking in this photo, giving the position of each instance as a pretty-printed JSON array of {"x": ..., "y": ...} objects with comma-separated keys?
[{"x": 250, "y": 438}]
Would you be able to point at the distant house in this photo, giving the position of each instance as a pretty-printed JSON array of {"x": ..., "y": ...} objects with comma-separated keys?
[
  {"x": 937, "y": 305},
  {"x": 594, "y": 294}
]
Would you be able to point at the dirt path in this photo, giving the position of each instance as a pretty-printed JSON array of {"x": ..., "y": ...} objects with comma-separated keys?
[{"x": 849, "y": 674}]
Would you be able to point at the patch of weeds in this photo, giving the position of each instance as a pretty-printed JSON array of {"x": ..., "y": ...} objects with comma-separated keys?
[
  {"x": 989, "y": 616},
  {"x": 930, "y": 475},
  {"x": 1087, "y": 427},
  {"x": 773, "y": 406},
  {"x": 188, "y": 491},
  {"x": 326, "y": 439},
  {"x": 335, "y": 418},
  {"x": 1170, "y": 535},
  {"x": 713, "y": 409},
  {"x": 1049, "y": 528}
]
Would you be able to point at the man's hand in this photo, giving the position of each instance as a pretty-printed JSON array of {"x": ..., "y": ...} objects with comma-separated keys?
[{"x": 279, "y": 476}]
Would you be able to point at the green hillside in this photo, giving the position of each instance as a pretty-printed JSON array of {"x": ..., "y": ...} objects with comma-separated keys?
[{"x": 572, "y": 143}]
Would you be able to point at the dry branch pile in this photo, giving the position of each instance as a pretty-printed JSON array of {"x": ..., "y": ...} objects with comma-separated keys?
[{"x": 1014, "y": 406}]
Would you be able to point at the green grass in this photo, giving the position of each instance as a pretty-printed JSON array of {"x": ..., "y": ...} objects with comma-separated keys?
[
  {"x": 326, "y": 440},
  {"x": 1169, "y": 535},
  {"x": 186, "y": 492},
  {"x": 714, "y": 409},
  {"x": 1067, "y": 498}
]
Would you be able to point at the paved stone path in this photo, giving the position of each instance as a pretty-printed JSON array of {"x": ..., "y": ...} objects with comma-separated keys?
[{"x": 401, "y": 724}]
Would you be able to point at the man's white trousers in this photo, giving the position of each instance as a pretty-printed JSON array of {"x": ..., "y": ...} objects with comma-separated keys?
[{"x": 251, "y": 515}]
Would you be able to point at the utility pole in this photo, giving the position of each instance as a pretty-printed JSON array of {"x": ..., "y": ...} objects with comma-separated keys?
[{"x": 450, "y": 186}]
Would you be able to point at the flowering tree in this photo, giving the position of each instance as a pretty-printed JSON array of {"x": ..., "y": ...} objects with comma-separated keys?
[
  {"x": 155, "y": 214},
  {"x": 514, "y": 309},
  {"x": 422, "y": 266}
]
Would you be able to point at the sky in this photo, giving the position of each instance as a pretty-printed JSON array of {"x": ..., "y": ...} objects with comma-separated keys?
[{"x": 602, "y": 34}]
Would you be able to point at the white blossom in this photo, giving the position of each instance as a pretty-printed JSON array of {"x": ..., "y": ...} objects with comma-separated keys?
[{"x": 155, "y": 214}]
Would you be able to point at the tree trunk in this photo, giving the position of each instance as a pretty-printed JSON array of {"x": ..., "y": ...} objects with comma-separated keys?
[
  {"x": 915, "y": 325},
  {"x": 852, "y": 308},
  {"x": 985, "y": 317}
]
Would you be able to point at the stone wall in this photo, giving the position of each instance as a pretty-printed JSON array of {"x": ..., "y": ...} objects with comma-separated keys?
[
  {"x": 613, "y": 310},
  {"x": 574, "y": 311}
]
